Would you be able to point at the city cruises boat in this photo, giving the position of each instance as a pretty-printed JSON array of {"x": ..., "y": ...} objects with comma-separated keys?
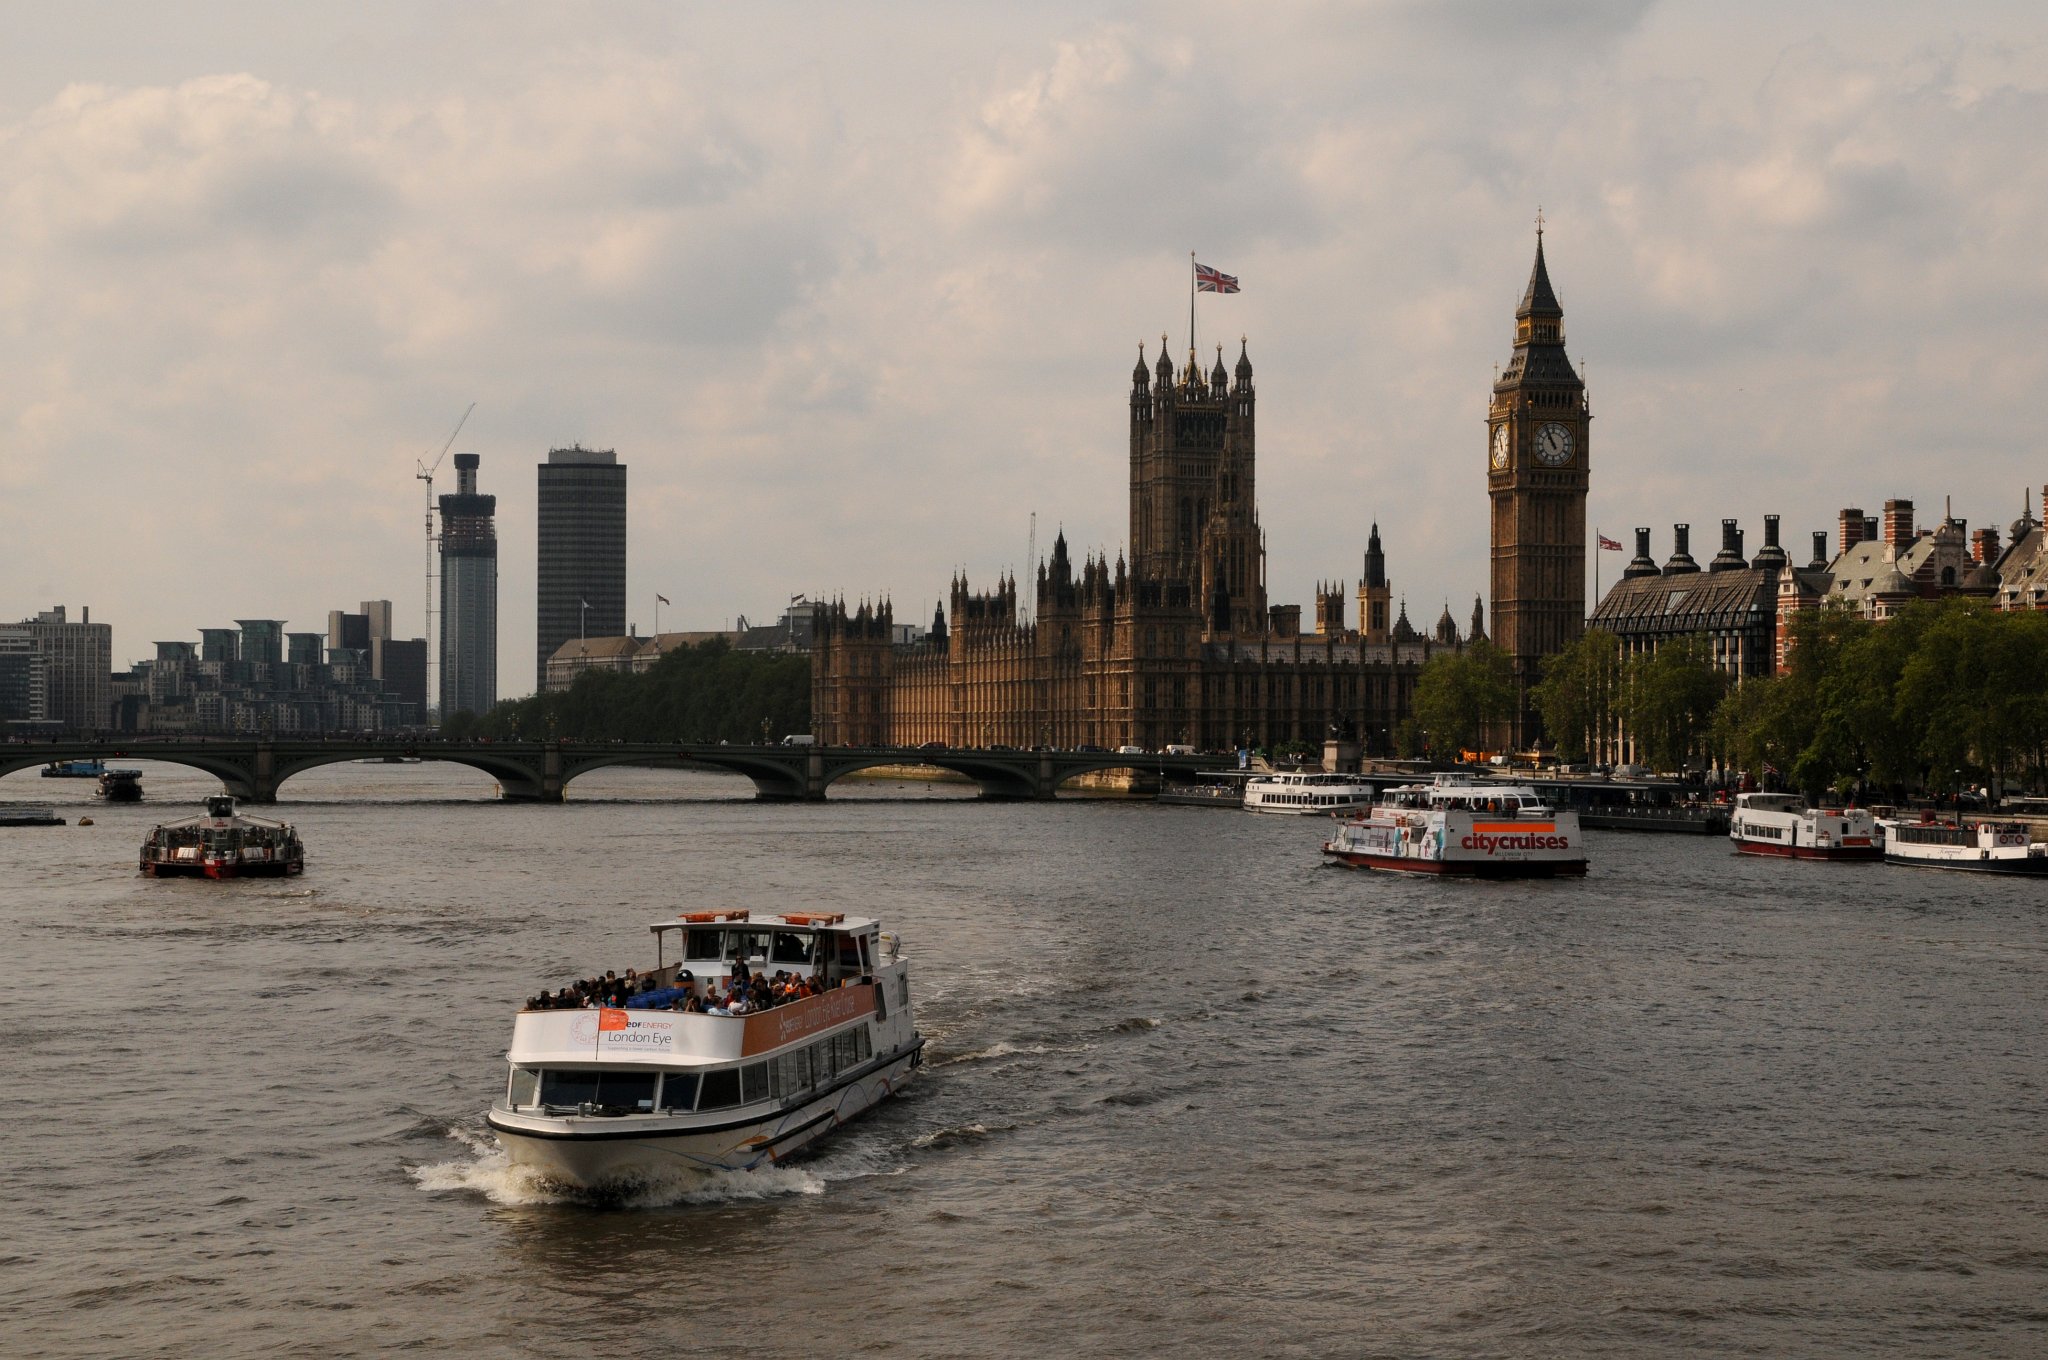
[
  {"x": 74, "y": 769},
  {"x": 608, "y": 1097},
  {"x": 120, "y": 786},
  {"x": 1463, "y": 827},
  {"x": 29, "y": 814},
  {"x": 1782, "y": 824},
  {"x": 1309, "y": 794},
  {"x": 223, "y": 844},
  {"x": 1981, "y": 847}
]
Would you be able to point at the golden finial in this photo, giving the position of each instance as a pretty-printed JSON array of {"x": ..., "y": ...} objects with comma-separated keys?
[{"x": 1539, "y": 220}]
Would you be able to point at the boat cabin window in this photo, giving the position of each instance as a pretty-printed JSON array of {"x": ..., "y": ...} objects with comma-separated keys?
[
  {"x": 705, "y": 944},
  {"x": 791, "y": 947},
  {"x": 746, "y": 944},
  {"x": 849, "y": 953},
  {"x": 679, "y": 1091},
  {"x": 567, "y": 1088},
  {"x": 753, "y": 1083},
  {"x": 721, "y": 1089},
  {"x": 621, "y": 1090},
  {"x": 525, "y": 1087}
]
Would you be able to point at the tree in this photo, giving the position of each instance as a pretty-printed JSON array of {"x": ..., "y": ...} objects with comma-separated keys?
[
  {"x": 1578, "y": 694},
  {"x": 1671, "y": 696},
  {"x": 1462, "y": 695},
  {"x": 704, "y": 693}
]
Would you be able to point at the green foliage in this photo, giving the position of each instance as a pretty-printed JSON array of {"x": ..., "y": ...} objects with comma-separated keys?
[
  {"x": 1461, "y": 695},
  {"x": 1947, "y": 692},
  {"x": 1580, "y": 694},
  {"x": 704, "y": 693},
  {"x": 1670, "y": 696}
]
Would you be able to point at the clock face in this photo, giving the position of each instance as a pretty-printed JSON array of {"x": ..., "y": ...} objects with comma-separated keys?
[
  {"x": 1500, "y": 447},
  {"x": 1553, "y": 445}
]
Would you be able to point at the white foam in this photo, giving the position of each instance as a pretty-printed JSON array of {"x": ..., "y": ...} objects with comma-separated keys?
[
  {"x": 998, "y": 1049},
  {"x": 487, "y": 1171}
]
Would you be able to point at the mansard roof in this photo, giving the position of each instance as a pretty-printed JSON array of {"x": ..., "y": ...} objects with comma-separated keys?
[{"x": 1689, "y": 602}]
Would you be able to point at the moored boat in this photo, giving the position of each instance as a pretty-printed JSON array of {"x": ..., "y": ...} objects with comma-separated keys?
[
  {"x": 74, "y": 769},
  {"x": 1461, "y": 827},
  {"x": 120, "y": 786},
  {"x": 607, "y": 1096},
  {"x": 1307, "y": 794},
  {"x": 223, "y": 844},
  {"x": 1783, "y": 824},
  {"x": 29, "y": 814},
  {"x": 1982, "y": 847}
]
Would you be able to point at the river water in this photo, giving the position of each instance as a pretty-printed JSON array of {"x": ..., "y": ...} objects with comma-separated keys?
[{"x": 1189, "y": 1091}]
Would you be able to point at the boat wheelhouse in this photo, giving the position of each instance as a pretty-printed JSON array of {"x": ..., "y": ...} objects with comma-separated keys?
[
  {"x": 1983, "y": 847},
  {"x": 1782, "y": 824},
  {"x": 1307, "y": 794},
  {"x": 1463, "y": 827},
  {"x": 605, "y": 1097},
  {"x": 223, "y": 844}
]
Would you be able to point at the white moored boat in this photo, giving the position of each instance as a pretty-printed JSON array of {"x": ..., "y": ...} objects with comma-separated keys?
[
  {"x": 1312, "y": 794},
  {"x": 1980, "y": 847},
  {"x": 616, "y": 1095},
  {"x": 1463, "y": 827},
  {"x": 1782, "y": 824}
]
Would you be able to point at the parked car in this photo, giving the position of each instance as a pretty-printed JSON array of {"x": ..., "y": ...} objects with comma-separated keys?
[
  {"x": 1130, "y": 750},
  {"x": 1090, "y": 749}
]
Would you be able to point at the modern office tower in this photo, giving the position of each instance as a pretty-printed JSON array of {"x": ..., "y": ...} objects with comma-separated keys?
[
  {"x": 378, "y": 612},
  {"x": 21, "y": 676},
  {"x": 469, "y": 594},
  {"x": 77, "y": 666},
  {"x": 303, "y": 649},
  {"x": 348, "y": 630},
  {"x": 217, "y": 644},
  {"x": 402, "y": 667},
  {"x": 262, "y": 640},
  {"x": 582, "y": 551}
]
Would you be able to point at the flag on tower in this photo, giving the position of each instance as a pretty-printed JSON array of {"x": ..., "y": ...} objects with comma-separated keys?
[
  {"x": 1209, "y": 280},
  {"x": 664, "y": 599},
  {"x": 1609, "y": 545}
]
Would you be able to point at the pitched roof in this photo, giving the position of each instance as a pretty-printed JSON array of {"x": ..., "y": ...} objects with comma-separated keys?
[{"x": 1689, "y": 602}]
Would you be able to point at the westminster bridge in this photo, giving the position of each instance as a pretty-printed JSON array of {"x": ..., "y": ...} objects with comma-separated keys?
[{"x": 539, "y": 772}]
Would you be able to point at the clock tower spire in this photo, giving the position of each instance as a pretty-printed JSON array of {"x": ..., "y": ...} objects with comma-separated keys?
[{"x": 1536, "y": 479}]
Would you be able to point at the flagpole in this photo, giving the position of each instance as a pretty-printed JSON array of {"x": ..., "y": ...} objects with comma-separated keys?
[
  {"x": 657, "y": 623},
  {"x": 1598, "y": 539},
  {"x": 1191, "y": 302}
]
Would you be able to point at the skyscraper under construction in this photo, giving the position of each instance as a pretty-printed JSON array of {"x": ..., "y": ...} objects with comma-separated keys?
[{"x": 469, "y": 594}]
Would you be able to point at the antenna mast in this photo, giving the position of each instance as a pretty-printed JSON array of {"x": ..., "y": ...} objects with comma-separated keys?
[{"x": 426, "y": 474}]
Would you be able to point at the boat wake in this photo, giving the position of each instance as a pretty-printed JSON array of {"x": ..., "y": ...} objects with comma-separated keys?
[
  {"x": 998, "y": 1049},
  {"x": 485, "y": 1170}
]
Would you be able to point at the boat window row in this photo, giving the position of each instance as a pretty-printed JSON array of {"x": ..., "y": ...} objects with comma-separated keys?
[
  {"x": 1757, "y": 831},
  {"x": 1312, "y": 799},
  {"x": 782, "y": 1077},
  {"x": 776, "y": 946}
]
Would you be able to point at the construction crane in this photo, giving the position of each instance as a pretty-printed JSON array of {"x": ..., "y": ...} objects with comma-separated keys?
[{"x": 426, "y": 474}]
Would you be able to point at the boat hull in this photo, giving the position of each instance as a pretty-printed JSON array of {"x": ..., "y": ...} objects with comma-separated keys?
[
  {"x": 2028, "y": 865},
  {"x": 601, "y": 1154},
  {"x": 1780, "y": 851},
  {"x": 193, "y": 869},
  {"x": 1404, "y": 864}
]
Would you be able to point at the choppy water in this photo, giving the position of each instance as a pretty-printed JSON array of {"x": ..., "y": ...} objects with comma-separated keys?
[{"x": 1189, "y": 1092}]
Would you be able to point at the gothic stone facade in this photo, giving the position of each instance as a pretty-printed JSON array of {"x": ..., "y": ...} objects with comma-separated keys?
[{"x": 1178, "y": 645}]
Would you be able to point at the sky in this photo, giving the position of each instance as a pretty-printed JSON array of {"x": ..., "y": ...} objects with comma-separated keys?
[{"x": 855, "y": 290}]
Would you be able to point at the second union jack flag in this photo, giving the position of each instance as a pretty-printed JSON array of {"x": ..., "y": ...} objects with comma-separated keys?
[{"x": 1209, "y": 280}]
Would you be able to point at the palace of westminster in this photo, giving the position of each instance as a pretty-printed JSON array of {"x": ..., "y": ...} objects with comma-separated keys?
[{"x": 1179, "y": 643}]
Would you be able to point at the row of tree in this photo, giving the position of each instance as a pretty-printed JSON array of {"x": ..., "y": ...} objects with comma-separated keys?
[
  {"x": 1945, "y": 694},
  {"x": 708, "y": 692}
]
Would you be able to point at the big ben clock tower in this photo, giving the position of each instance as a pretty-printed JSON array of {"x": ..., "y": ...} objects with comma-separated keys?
[{"x": 1536, "y": 478}]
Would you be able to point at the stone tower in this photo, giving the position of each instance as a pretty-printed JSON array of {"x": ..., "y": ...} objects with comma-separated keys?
[
  {"x": 1375, "y": 597},
  {"x": 1194, "y": 516},
  {"x": 1536, "y": 478}
]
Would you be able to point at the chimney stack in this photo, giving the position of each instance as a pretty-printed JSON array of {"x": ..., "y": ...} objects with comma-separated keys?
[
  {"x": 1852, "y": 528},
  {"x": 1730, "y": 557},
  {"x": 1681, "y": 558},
  {"x": 1771, "y": 557},
  {"x": 1984, "y": 546},
  {"x": 1820, "y": 548},
  {"x": 1643, "y": 564}
]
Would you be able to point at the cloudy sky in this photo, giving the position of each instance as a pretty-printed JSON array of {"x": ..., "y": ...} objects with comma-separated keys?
[{"x": 855, "y": 289}]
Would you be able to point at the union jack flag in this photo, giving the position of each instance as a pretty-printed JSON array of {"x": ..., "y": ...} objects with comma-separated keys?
[
  {"x": 1209, "y": 280},
  {"x": 1609, "y": 545}
]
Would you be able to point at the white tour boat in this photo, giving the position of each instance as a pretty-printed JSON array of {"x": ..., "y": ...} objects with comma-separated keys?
[
  {"x": 223, "y": 844},
  {"x": 1980, "y": 847},
  {"x": 611, "y": 1096},
  {"x": 1463, "y": 827},
  {"x": 1782, "y": 824},
  {"x": 1311, "y": 794}
]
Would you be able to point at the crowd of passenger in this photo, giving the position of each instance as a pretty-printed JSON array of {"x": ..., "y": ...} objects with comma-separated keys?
[{"x": 743, "y": 993}]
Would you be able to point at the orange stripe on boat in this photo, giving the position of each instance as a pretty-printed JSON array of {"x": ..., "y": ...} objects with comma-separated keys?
[{"x": 1510, "y": 828}]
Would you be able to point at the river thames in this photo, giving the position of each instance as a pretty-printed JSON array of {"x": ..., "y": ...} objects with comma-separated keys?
[{"x": 1188, "y": 1091}]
